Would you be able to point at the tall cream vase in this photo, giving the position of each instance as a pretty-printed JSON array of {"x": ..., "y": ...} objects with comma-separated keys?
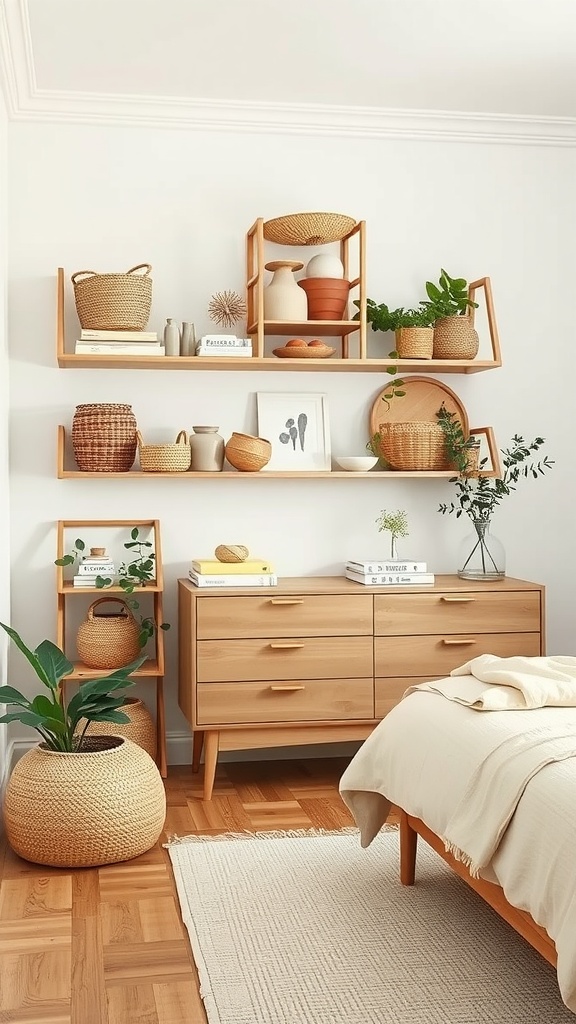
[{"x": 283, "y": 299}]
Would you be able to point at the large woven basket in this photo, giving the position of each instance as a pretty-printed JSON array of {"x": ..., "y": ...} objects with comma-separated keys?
[
  {"x": 140, "y": 729},
  {"x": 81, "y": 810},
  {"x": 308, "y": 228},
  {"x": 113, "y": 302},
  {"x": 413, "y": 446},
  {"x": 165, "y": 458},
  {"x": 104, "y": 437},
  {"x": 108, "y": 640},
  {"x": 455, "y": 338}
]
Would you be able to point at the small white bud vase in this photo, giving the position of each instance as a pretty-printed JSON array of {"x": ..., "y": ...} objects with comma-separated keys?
[
  {"x": 325, "y": 265},
  {"x": 283, "y": 299},
  {"x": 207, "y": 448},
  {"x": 171, "y": 338}
]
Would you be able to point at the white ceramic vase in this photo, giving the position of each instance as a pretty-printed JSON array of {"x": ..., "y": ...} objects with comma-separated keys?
[
  {"x": 283, "y": 299},
  {"x": 325, "y": 265},
  {"x": 171, "y": 338},
  {"x": 207, "y": 450}
]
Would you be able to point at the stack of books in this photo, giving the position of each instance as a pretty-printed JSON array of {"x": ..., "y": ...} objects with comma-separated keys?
[
  {"x": 254, "y": 572},
  {"x": 93, "y": 566},
  {"x": 389, "y": 573},
  {"x": 119, "y": 343},
  {"x": 223, "y": 345}
]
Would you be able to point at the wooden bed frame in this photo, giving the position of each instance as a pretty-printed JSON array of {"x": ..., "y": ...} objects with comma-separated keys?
[{"x": 522, "y": 922}]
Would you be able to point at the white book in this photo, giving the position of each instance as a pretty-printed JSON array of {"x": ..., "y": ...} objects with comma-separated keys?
[
  {"x": 388, "y": 566},
  {"x": 96, "y": 570},
  {"x": 224, "y": 341},
  {"x": 414, "y": 579},
  {"x": 269, "y": 579},
  {"x": 232, "y": 352},
  {"x": 87, "y": 334},
  {"x": 119, "y": 348},
  {"x": 84, "y": 581}
]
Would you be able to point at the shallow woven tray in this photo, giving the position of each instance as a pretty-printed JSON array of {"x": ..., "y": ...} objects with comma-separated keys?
[
  {"x": 303, "y": 352},
  {"x": 308, "y": 228}
]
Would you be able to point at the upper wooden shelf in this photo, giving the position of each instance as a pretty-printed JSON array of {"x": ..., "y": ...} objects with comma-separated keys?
[{"x": 318, "y": 328}]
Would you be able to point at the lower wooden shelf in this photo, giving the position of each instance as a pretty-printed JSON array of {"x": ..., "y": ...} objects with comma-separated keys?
[{"x": 150, "y": 668}]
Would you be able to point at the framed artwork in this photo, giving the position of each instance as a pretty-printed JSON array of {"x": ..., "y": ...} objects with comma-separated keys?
[{"x": 296, "y": 424}]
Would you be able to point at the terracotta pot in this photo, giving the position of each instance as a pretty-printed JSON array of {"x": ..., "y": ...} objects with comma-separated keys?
[
  {"x": 248, "y": 454},
  {"x": 327, "y": 297}
]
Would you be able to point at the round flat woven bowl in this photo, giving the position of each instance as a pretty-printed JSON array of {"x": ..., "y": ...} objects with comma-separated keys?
[
  {"x": 308, "y": 228},
  {"x": 304, "y": 352}
]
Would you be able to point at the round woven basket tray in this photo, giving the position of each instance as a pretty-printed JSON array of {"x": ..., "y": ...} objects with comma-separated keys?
[
  {"x": 165, "y": 458},
  {"x": 308, "y": 228}
]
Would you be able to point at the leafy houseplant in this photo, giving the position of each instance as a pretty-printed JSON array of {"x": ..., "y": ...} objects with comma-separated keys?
[
  {"x": 454, "y": 334},
  {"x": 396, "y": 523},
  {"x": 449, "y": 297},
  {"x": 55, "y": 721}
]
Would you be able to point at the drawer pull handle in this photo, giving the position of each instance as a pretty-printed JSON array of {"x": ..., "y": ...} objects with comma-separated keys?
[
  {"x": 286, "y": 600},
  {"x": 285, "y": 647},
  {"x": 287, "y": 689},
  {"x": 458, "y": 643},
  {"x": 457, "y": 600}
]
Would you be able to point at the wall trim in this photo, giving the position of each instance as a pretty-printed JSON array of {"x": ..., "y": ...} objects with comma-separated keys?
[{"x": 26, "y": 102}]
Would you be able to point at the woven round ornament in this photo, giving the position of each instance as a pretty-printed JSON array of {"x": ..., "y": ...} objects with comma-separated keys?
[{"x": 231, "y": 553}]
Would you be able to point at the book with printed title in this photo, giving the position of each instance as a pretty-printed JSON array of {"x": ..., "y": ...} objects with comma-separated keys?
[
  {"x": 249, "y": 580},
  {"x": 388, "y": 566},
  {"x": 212, "y": 567},
  {"x": 414, "y": 579},
  {"x": 88, "y": 334}
]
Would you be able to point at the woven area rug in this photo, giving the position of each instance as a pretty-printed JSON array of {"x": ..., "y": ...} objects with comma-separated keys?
[{"x": 311, "y": 929}]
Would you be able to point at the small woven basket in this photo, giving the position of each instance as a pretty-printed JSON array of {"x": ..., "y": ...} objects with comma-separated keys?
[
  {"x": 113, "y": 302},
  {"x": 455, "y": 338},
  {"x": 140, "y": 729},
  {"x": 413, "y": 446},
  {"x": 308, "y": 228},
  {"x": 165, "y": 458},
  {"x": 415, "y": 342},
  {"x": 110, "y": 640},
  {"x": 246, "y": 453}
]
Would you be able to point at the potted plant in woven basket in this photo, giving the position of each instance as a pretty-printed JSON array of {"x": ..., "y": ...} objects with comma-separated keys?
[
  {"x": 78, "y": 800},
  {"x": 413, "y": 328},
  {"x": 454, "y": 334}
]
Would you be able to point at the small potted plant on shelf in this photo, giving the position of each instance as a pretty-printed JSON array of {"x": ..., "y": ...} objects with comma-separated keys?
[
  {"x": 454, "y": 334},
  {"x": 478, "y": 496},
  {"x": 413, "y": 328},
  {"x": 396, "y": 524},
  {"x": 78, "y": 800}
]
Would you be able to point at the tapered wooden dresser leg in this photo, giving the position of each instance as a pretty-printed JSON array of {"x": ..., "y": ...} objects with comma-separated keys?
[
  {"x": 408, "y": 844},
  {"x": 212, "y": 741},
  {"x": 197, "y": 747}
]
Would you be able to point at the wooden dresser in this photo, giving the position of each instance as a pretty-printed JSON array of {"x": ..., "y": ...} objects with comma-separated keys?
[{"x": 322, "y": 659}]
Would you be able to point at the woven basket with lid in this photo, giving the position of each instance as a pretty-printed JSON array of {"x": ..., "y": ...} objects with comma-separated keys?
[
  {"x": 113, "y": 302},
  {"x": 108, "y": 640}
]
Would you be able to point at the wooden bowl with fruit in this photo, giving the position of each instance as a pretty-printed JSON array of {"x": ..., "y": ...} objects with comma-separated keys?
[{"x": 298, "y": 348}]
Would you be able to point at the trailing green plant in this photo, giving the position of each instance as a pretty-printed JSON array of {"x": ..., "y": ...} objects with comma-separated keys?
[
  {"x": 373, "y": 446},
  {"x": 458, "y": 446},
  {"x": 396, "y": 523},
  {"x": 478, "y": 495},
  {"x": 55, "y": 720},
  {"x": 449, "y": 297}
]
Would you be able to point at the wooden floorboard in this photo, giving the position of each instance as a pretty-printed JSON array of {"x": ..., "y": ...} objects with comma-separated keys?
[{"x": 107, "y": 946}]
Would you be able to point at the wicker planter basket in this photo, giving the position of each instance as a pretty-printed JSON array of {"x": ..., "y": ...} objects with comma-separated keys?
[
  {"x": 140, "y": 729},
  {"x": 113, "y": 302},
  {"x": 413, "y": 446},
  {"x": 246, "y": 453},
  {"x": 308, "y": 228},
  {"x": 165, "y": 458},
  {"x": 455, "y": 338},
  {"x": 108, "y": 640},
  {"x": 104, "y": 437},
  {"x": 415, "y": 342},
  {"x": 82, "y": 810}
]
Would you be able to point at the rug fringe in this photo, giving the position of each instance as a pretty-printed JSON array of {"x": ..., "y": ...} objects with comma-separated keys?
[{"x": 300, "y": 833}]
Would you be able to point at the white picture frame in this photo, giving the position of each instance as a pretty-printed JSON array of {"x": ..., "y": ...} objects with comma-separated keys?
[{"x": 297, "y": 426}]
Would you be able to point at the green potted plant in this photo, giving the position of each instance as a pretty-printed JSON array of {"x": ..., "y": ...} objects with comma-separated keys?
[
  {"x": 78, "y": 799},
  {"x": 450, "y": 305},
  {"x": 478, "y": 496},
  {"x": 413, "y": 328},
  {"x": 396, "y": 524}
]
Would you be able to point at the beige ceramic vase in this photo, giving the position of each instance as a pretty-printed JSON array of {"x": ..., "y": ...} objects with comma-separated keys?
[{"x": 283, "y": 299}]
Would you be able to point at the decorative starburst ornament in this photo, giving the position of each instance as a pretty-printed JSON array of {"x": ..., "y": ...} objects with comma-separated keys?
[{"x": 226, "y": 308}]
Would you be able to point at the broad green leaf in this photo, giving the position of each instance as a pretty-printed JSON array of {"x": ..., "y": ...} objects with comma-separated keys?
[
  {"x": 79, "y": 544},
  {"x": 9, "y": 695},
  {"x": 134, "y": 534},
  {"x": 111, "y": 716},
  {"x": 41, "y": 705},
  {"x": 28, "y": 654},
  {"x": 65, "y": 560},
  {"x": 53, "y": 662}
]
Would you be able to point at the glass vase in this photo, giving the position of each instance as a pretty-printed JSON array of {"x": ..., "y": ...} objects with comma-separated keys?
[{"x": 481, "y": 555}]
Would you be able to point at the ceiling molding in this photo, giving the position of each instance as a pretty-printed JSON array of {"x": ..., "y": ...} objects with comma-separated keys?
[{"x": 26, "y": 102}]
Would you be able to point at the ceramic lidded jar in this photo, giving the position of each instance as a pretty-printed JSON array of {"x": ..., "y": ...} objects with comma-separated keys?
[
  {"x": 283, "y": 299},
  {"x": 325, "y": 264},
  {"x": 207, "y": 448}
]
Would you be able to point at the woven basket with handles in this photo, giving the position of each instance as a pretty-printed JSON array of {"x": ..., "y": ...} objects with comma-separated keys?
[
  {"x": 416, "y": 445},
  {"x": 113, "y": 302},
  {"x": 165, "y": 458},
  {"x": 108, "y": 640}
]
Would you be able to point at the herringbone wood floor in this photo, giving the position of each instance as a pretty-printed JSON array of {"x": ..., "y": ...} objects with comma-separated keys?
[{"x": 107, "y": 946}]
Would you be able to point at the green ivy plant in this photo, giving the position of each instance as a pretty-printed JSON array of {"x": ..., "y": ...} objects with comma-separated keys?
[
  {"x": 48, "y": 714},
  {"x": 396, "y": 523},
  {"x": 449, "y": 297}
]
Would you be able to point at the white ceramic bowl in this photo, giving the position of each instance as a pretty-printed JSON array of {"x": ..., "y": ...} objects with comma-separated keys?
[{"x": 357, "y": 463}]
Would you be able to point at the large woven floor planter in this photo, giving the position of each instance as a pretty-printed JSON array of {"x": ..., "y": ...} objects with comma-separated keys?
[{"x": 81, "y": 810}]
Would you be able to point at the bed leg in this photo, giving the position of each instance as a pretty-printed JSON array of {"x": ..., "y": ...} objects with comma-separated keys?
[{"x": 408, "y": 843}]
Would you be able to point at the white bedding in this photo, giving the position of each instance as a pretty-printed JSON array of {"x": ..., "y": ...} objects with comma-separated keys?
[{"x": 422, "y": 757}]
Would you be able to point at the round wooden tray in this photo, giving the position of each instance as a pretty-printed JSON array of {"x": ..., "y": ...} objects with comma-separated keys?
[
  {"x": 304, "y": 352},
  {"x": 421, "y": 402}
]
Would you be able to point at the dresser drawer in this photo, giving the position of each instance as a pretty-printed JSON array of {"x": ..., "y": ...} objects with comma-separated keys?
[
  {"x": 276, "y": 615},
  {"x": 221, "y": 661},
  {"x": 436, "y": 656},
  {"x": 388, "y": 692},
  {"x": 465, "y": 612},
  {"x": 302, "y": 700}
]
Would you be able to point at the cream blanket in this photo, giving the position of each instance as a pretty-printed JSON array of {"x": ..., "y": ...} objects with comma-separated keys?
[{"x": 489, "y": 683}]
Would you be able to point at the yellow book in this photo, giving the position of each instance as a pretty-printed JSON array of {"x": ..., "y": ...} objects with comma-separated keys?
[{"x": 212, "y": 567}]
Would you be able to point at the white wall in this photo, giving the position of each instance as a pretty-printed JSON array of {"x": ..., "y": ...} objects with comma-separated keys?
[
  {"x": 106, "y": 198},
  {"x": 4, "y": 414}
]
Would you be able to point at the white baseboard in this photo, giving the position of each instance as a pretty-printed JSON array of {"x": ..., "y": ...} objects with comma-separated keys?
[{"x": 179, "y": 751}]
